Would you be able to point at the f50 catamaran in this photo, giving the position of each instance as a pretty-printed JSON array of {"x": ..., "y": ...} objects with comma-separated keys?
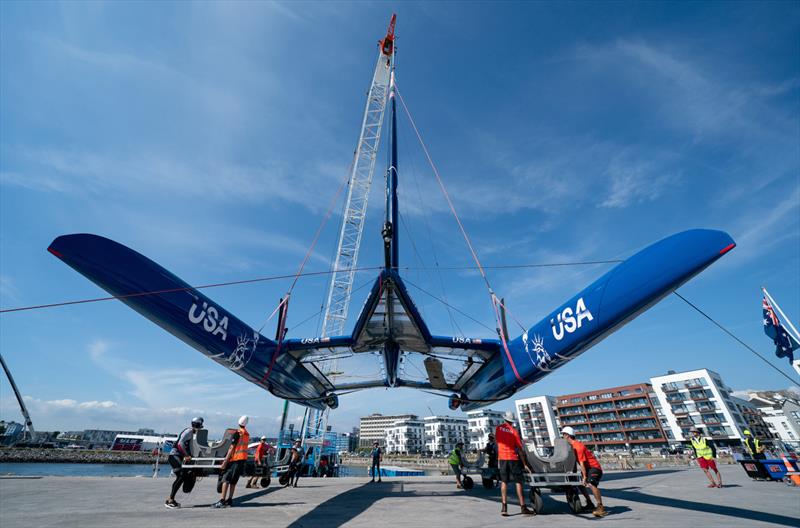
[{"x": 389, "y": 323}]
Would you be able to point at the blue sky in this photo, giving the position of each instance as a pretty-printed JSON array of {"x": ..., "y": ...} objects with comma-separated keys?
[{"x": 211, "y": 138}]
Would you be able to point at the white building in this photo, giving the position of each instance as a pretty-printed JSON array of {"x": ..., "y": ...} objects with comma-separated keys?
[
  {"x": 699, "y": 398},
  {"x": 481, "y": 423},
  {"x": 373, "y": 428},
  {"x": 442, "y": 433},
  {"x": 406, "y": 437},
  {"x": 537, "y": 421},
  {"x": 781, "y": 411}
]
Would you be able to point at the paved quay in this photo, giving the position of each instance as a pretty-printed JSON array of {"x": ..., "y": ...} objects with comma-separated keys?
[{"x": 657, "y": 498}]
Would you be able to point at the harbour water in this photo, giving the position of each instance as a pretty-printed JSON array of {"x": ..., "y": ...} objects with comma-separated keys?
[{"x": 125, "y": 470}]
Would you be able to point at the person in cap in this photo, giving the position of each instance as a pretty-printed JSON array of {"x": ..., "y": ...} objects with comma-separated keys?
[
  {"x": 510, "y": 455},
  {"x": 181, "y": 452},
  {"x": 456, "y": 461},
  {"x": 296, "y": 463},
  {"x": 233, "y": 465},
  {"x": 260, "y": 459},
  {"x": 377, "y": 458},
  {"x": 590, "y": 469},
  {"x": 491, "y": 452},
  {"x": 705, "y": 452},
  {"x": 754, "y": 446}
]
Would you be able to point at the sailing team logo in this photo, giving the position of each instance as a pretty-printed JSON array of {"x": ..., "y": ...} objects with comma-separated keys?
[{"x": 535, "y": 347}]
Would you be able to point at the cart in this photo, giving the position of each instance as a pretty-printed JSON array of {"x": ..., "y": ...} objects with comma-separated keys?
[{"x": 558, "y": 473}]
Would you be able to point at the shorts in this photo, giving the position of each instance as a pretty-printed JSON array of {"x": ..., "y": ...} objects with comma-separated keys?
[
  {"x": 707, "y": 464},
  {"x": 233, "y": 472},
  {"x": 594, "y": 476},
  {"x": 456, "y": 469},
  {"x": 511, "y": 471}
]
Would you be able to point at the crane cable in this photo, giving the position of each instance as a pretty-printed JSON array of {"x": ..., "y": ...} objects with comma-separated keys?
[{"x": 501, "y": 331}]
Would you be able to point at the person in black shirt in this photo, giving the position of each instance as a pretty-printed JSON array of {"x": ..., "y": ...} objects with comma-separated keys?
[
  {"x": 181, "y": 452},
  {"x": 491, "y": 452},
  {"x": 377, "y": 457}
]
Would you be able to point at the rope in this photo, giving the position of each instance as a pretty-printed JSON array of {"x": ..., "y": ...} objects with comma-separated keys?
[
  {"x": 280, "y": 277},
  {"x": 447, "y": 304},
  {"x": 444, "y": 191},
  {"x": 174, "y": 290},
  {"x": 748, "y": 347}
]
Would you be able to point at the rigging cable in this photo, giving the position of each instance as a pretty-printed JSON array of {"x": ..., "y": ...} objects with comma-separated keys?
[
  {"x": 492, "y": 295},
  {"x": 280, "y": 277},
  {"x": 748, "y": 347},
  {"x": 453, "y": 323}
]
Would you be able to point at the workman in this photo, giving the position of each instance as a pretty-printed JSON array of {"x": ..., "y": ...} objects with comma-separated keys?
[
  {"x": 511, "y": 457},
  {"x": 377, "y": 458},
  {"x": 233, "y": 465},
  {"x": 705, "y": 451},
  {"x": 754, "y": 446},
  {"x": 590, "y": 469},
  {"x": 260, "y": 459},
  {"x": 181, "y": 452},
  {"x": 456, "y": 461},
  {"x": 296, "y": 463},
  {"x": 491, "y": 452}
]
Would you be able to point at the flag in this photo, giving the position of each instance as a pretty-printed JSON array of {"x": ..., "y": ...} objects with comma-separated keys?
[{"x": 785, "y": 343}]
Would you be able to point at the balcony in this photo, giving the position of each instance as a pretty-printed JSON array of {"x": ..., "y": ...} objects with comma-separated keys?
[{"x": 669, "y": 387}]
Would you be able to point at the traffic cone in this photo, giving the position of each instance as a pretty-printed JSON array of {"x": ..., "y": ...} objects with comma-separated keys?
[{"x": 790, "y": 471}]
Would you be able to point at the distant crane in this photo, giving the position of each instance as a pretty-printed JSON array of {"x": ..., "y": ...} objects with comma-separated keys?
[
  {"x": 355, "y": 211},
  {"x": 28, "y": 422}
]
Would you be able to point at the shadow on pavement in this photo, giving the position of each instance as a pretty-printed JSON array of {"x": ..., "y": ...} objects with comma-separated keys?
[
  {"x": 346, "y": 506},
  {"x": 730, "y": 511},
  {"x": 634, "y": 474}
]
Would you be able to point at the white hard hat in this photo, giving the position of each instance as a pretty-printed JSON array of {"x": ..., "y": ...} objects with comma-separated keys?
[
  {"x": 243, "y": 420},
  {"x": 508, "y": 416},
  {"x": 568, "y": 430},
  {"x": 264, "y": 438}
]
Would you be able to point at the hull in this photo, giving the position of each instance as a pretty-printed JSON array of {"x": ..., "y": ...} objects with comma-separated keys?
[{"x": 596, "y": 312}]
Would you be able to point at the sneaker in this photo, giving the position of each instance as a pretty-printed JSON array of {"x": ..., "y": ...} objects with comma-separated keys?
[
  {"x": 171, "y": 504},
  {"x": 589, "y": 508},
  {"x": 504, "y": 510},
  {"x": 600, "y": 511},
  {"x": 248, "y": 485},
  {"x": 219, "y": 504},
  {"x": 526, "y": 511},
  {"x": 373, "y": 480},
  {"x": 228, "y": 503}
]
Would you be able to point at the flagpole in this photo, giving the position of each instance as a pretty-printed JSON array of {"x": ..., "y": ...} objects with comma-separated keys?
[{"x": 785, "y": 318}]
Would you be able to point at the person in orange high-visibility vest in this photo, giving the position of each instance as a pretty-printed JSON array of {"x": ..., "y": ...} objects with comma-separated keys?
[{"x": 233, "y": 466}]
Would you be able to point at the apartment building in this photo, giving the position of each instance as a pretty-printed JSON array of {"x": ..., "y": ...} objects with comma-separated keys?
[
  {"x": 481, "y": 424},
  {"x": 442, "y": 433},
  {"x": 613, "y": 419},
  {"x": 537, "y": 421},
  {"x": 406, "y": 437},
  {"x": 699, "y": 398},
  {"x": 781, "y": 413},
  {"x": 373, "y": 428}
]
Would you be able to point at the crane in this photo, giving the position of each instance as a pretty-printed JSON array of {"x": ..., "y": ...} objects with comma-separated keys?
[
  {"x": 28, "y": 422},
  {"x": 355, "y": 210}
]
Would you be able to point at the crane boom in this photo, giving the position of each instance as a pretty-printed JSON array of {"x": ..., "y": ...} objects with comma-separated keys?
[
  {"x": 355, "y": 211},
  {"x": 25, "y": 415}
]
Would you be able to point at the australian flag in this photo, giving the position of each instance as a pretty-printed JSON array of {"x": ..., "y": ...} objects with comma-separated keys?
[{"x": 785, "y": 344}]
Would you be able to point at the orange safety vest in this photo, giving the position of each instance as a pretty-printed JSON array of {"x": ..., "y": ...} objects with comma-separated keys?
[{"x": 240, "y": 450}]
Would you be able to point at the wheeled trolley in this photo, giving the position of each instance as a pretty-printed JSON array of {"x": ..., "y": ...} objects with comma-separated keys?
[{"x": 558, "y": 473}]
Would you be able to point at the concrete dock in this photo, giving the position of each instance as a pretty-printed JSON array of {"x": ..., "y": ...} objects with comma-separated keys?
[{"x": 658, "y": 498}]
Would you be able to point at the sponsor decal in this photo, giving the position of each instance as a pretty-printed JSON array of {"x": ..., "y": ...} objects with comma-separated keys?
[
  {"x": 209, "y": 317},
  {"x": 538, "y": 355},
  {"x": 569, "y": 320}
]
